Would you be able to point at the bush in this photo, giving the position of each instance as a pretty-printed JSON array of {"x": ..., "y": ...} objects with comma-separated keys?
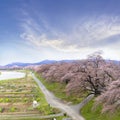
[
  {"x": 12, "y": 109},
  {"x": 1, "y": 100},
  {"x": 1, "y": 109}
]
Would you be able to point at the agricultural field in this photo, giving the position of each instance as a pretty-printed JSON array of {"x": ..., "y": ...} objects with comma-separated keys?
[{"x": 17, "y": 96}]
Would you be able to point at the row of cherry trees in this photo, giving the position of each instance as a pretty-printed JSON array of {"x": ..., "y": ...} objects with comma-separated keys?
[{"x": 93, "y": 76}]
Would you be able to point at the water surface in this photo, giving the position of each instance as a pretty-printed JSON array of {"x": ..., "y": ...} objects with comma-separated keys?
[{"x": 11, "y": 75}]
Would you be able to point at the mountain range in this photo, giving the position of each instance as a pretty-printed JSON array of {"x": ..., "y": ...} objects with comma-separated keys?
[{"x": 20, "y": 64}]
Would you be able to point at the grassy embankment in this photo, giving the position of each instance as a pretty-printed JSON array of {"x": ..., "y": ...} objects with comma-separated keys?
[
  {"x": 87, "y": 111},
  {"x": 17, "y": 95},
  {"x": 95, "y": 114},
  {"x": 59, "y": 90}
]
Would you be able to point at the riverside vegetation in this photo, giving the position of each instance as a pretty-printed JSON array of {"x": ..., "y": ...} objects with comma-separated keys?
[
  {"x": 74, "y": 81},
  {"x": 17, "y": 95}
]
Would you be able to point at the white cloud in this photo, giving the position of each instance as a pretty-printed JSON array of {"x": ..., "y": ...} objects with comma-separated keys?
[
  {"x": 87, "y": 36},
  {"x": 43, "y": 41},
  {"x": 94, "y": 30}
]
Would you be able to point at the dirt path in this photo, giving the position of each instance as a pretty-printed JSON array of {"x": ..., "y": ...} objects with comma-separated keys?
[
  {"x": 55, "y": 102},
  {"x": 26, "y": 116}
]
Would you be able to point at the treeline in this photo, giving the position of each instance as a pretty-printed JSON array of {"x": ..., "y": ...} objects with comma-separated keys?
[{"x": 92, "y": 76}]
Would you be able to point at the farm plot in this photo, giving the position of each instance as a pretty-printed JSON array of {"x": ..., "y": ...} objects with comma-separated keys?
[{"x": 17, "y": 96}]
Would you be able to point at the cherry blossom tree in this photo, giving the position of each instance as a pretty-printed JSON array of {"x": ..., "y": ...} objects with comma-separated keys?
[
  {"x": 97, "y": 73},
  {"x": 110, "y": 99},
  {"x": 92, "y": 75}
]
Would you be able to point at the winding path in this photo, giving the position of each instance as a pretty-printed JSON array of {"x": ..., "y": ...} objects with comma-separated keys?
[{"x": 55, "y": 102}]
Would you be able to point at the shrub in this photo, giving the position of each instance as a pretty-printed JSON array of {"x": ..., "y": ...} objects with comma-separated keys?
[
  {"x": 12, "y": 109},
  {"x": 1, "y": 109}
]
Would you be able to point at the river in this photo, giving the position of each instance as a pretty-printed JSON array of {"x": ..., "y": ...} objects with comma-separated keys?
[{"x": 11, "y": 75}]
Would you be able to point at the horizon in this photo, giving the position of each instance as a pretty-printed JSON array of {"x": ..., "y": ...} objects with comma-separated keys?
[
  {"x": 33, "y": 31},
  {"x": 52, "y": 60}
]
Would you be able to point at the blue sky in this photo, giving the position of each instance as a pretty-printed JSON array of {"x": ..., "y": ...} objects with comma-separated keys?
[{"x": 34, "y": 30}]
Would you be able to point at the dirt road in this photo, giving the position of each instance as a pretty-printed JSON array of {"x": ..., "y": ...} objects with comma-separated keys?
[{"x": 55, "y": 102}]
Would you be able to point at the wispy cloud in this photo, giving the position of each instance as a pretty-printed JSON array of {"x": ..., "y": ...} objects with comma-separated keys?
[
  {"x": 95, "y": 30},
  {"x": 41, "y": 35},
  {"x": 43, "y": 41},
  {"x": 91, "y": 33}
]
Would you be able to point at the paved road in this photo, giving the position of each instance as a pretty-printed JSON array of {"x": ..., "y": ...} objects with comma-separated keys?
[{"x": 55, "y": 102}]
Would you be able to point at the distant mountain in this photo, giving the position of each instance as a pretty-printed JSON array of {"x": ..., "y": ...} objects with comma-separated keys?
[
  {"x": 17, "y": 64},
  {"x": 114, "y": 61},
  {"x": 20, "y": 64},
  {"x": 45, "y": 62}
]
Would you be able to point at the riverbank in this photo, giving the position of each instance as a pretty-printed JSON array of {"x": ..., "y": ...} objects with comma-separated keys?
[{"x": 4, "y": 75}]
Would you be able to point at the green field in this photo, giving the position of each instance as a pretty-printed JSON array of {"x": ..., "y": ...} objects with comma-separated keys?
[
  {"x": 87, "y": 112},
  {"x": 59, "y": 90},
  {"x": 95, "y": 114},
  {"x": 17, "y": 96}
]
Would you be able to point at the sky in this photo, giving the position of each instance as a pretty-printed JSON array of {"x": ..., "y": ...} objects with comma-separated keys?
[{"x": 36, "y": 30}]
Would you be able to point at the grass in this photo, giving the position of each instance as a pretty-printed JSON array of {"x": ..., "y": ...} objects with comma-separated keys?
[
  {"x": 29, "y": 118},
  {"x": 20, "y": 93},
  {"x": 89, "y": 114},
  {"x": 59, "y": 90}
]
